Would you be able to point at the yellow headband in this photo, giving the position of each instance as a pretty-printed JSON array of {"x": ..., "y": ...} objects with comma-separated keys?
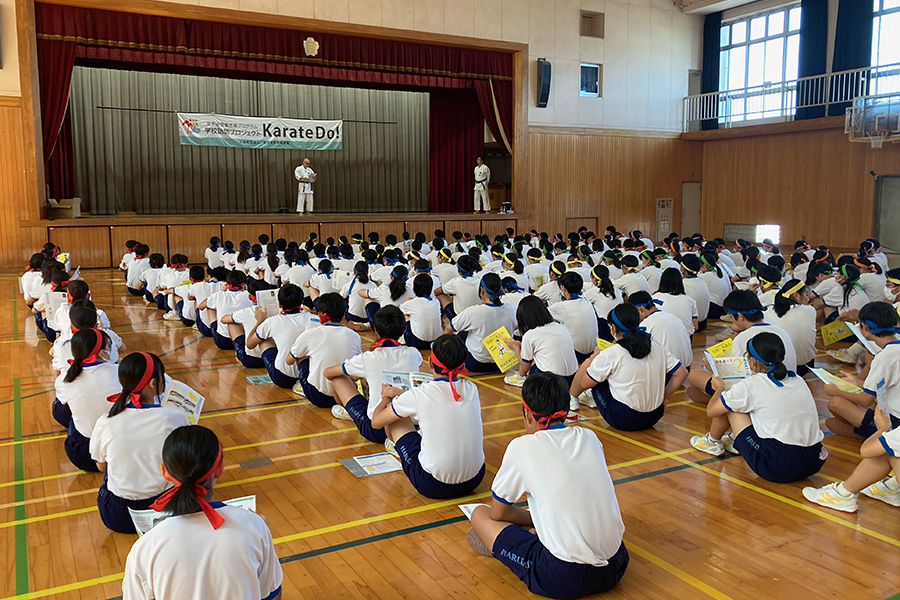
[
  {"x": 894, "y": 280},
  {"x": 788, "y": 293},
  {"x": 555, "y": 270},
  {"x": 688, "y": 269},
  {"x": 506, "y": 258},
  {"x": 445, "y": 253}
]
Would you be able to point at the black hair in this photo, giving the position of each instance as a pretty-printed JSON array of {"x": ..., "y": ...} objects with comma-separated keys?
[
  {"x": 197, "y": 273},
  {"x": 490, "y": 283},
  {"x": 157, "y": 260},
  {"x": 882, "y": 314},
  {"x": 770, "y": 348},
  {"x": 637, "y": 343},
  {"x": 290, "y": 296},
  {"x": 332, "y": 304},
  {"x": 82, "y": 343},
  {"x": 236, "y": 278},
  {"x": 782, "y": 303},
  {"x": 256, "y": 251},
  {"x": 816, "y": 269},
  {"x": 691, "y": 263},
  {"x": 517, "y": 267},
  {"x": 640, "y": 299},
  {"x": 605, "y": 285},
  {"x": 141, "y": 249},
  {"x": 397, "y": 286},
  {"x": 83, "y": 314},
  {"x": 389, "y": 322},
  {"x": 325, "y": 266},
  {"x": 131, "y": 370},
  {"x": 572, "y": 282},
  {"x": 57, "y": 278},
  {"x": 532, "y": 313},
  {"x": 671, "y": 282},
  {"x": 746, "y": 303},
  {"x": 77, "y": 289},
  {"x": 273, "y": 261},
  {"x": 130, "y": 244},
  {"x": 450, "y": 350},
  {"x": 610, "y": 256},
  {"x": 281, "y": 244},
  {"x": 650, "y": 257},
  {"x": 361, "y": 271},
  {"x": 229, "y": 246},
  {"x": 244, "y": 254},
  {"x": 851, "y": 275},
  {"x": 263, "y": 239},
  {"x": 423, "y": 285},
  {"x": 189, "y": 453},
  {"x": 711, "y": 260},
  {"x": 466, "y": 265},
  {"x": 221, "y": 273},
  {"x": 546, "y": 394},
  {"x": 214, "y": 243},
  {"x": 35, "y": 262},
  {"x": 768, "y": 274},
  {"x": 558, "y": 268}
]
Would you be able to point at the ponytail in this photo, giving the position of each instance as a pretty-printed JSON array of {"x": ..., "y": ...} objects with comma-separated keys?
[
  {"x": 399, "y": 275},
  {"x": 191, "y": 454},
  {"x": 86, "y": 343},
  {"x": 712, "y": 261},
  {"x": 634, "y": 338},
  {"x": 491, "y": 285},
  {"x": 768, "y": 349},
  {"x": 134, "y": 376},
  {"x": 605, "y": 285}
]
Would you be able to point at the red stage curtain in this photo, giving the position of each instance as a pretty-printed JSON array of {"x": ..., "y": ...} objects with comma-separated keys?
[
  {"x": 56, "y": 59},
  {"x": 490, "y": 97},
  {"x": 456, "y": 139}
]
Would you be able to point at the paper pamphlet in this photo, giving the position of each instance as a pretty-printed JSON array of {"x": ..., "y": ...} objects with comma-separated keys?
[
  {"x": 841, "y": 384},
  {"x": 76, "y": 274},
  {"x": 258, "y": 379},
  {"x": 468, "y": 509},
  {"x": 373, "y": 464},
  {"x": 727, "y": 269},
  {"x": 145, "y": 520},
  {"x": 268, "y": 300},
  {"x": 405, "y": 381},
  {"x": 741, "y": 285},
  {"x": 539, "y": 280},
  {"x": 881, "y": 397},
  {"x": 722, "y": 349},
  {"x": 730, "y": 369},
  {"x": 53, "y": 301},
  {"x": 872, "y": 348},
  {"x": 834, "y": 332},
  {"x": 497, "y": 343},
  {"x": 603, "y": 344},
  {"x": 182, "y": 397}
]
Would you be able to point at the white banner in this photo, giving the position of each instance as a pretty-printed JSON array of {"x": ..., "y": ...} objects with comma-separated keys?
[{"x": 201, "y": 129}]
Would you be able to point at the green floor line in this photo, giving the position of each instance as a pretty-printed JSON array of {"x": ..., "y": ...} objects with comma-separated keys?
[{"x": 19, "y": 494}]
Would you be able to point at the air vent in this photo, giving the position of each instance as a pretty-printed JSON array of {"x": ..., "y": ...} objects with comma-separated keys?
[{"x": 593, "y": 24}]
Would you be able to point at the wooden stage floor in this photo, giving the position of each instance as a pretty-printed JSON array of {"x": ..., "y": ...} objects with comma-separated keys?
[{"x": 696, "y": 526}]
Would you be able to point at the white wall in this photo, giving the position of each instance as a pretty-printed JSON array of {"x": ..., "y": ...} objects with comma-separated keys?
[{"x": 9, "y": 54}]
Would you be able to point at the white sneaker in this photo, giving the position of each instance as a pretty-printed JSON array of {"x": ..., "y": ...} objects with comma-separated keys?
[
  {"x": 587, "y": 398},
  {"x": 845, "y": 355},
  {"x": 195, "y": 327},
  {"x": 390, "y": 449},
  {"x": 574, "y": 404},
  {"x": 704, "y": 443},
  {"x": 885, "y": 490},
  {"x": 728, "y": 442},
  {"x": 171, "y": 316},
  {"x": 514, "y": 379},
  {"x": 829, "y": 497},
  {"x": 339, "y": 412},
  {"x": 298, "y": 389},
  {"x": 723, "y": 335}
]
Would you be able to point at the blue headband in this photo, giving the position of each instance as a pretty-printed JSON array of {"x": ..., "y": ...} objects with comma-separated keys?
[
  {"x": 771, "y": 372},
  {"x": 394, "y": 274},
  {"x": 513, "y": 287},
  {"x": 425, "y": 270},
  {"x": 492, "y": 293},
  {"x": 464, "y": 272},
  {"x": 876, "y": 330},
  {"x": 735, "y": 313},
  {"x": 653, "y": 303},
  {"x": 625, "y": 331}
]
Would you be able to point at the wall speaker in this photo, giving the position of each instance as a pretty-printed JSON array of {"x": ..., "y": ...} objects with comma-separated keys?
[{"x": 543, "y": 82}]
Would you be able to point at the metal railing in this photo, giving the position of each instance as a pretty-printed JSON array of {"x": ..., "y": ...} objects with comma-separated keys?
[{"x": 781, "y": 100}]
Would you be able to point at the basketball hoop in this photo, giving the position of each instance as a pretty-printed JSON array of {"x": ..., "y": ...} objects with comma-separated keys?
[{"x": 876, "y": 137}]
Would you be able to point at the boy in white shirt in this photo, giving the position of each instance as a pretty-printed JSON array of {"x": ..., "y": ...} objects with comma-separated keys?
[
  {"x": 423, "y": 313},
  {"x": 201, "y": 290},
  {"x": 387, "y": 354},
  {"x": 150, "y": 279},
  {"x": 664, "y": 328},
  {"x": 187, "y": 312},
  {"x": 241, "y": 324},
  {"x": 275, "y": 334},
  {"x": 175, "y": 276},
  {"x": 128, "y": 257},
  {"x": 445, "y": 458},
  {"x": 320, "y": 347},
  {"x": 577, "y": 315},
  {"x": 576, "y": 548},
  {"x": 136, "y": 267},
  {"x": 230, "y": 300}
]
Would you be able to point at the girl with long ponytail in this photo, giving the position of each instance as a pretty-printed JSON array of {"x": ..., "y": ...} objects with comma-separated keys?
[
  {"x": 392, "y": 293},
  {"x": 476, "y": 322},
  {"x": 605, "y": 297},
  {"x": 356, "y": 304},
  {"x": 718, "y": 284},
  {"x": 847, "y": 298}
]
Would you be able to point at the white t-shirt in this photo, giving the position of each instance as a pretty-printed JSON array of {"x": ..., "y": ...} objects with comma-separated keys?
[
  {"x": 214, "y": 257},
  {"x": 30, "y": 280},
  {"x": 886, "y": 366},
  {"x": 719, "y": 287},
  {"x": 62, "y": 349},
  {"x": 150, "y": 276},
  {"x": 283, "y": 329},
  {"x": 464, "y": 291},
  {"x": 62, "y": 322},
  {"x": 127, "y": 259},
  {"x": 578, "y": 316},
  {"x": 536, "y": 272},
  {"x": 87, "y": 395},
  {"x": 825, "y": 286},
  {"x": 424, "y": 318},
  {"x": 551, "y": 349},
  {"x": 890, "y": 441},
  {"x": 326, "y": 284},
  {"x": 787, "y": 414},
  {"x": 800, "y": 324},
  {"x": 135, "y": 269},
  {"x": 873, "y": 284},
  {"x": 552, "y": 467},
  {"x": 370, "y": 365},
  {"x": 666, "y": 329},
  {"x": 549, "y": 293},
  {"x": 227, "y": 302},
  {"x": 602, "y": 303},
  {"x": 229, "y": 260},
  {"x": 170, "y": 278},
  {"x": 445, "y": 272},
  {"x": 682, "y": 306},
  {"x": 382, "y": 295},
  {"x": 356, "y": 304},
  {"x": 130, "y": 444},
  {"x": 630, "y": 283},
  {"x": 325, "y": 347},
  {"x": 452, "y": 434},
  {"x": 855, "y": 300},
  {"x": 298, "y": 275},
  {"x": 652, "y": 275},
  {"x": 246, "y": 318},
  {"x": 697, "y": 289},
  {"x": 482, "y": 320},
  {"x": 637, "y": 383},
  {"x": 201, "y": 291},
  {"x": 739, "y": 346},
  {"x": 184, "y": 557}
]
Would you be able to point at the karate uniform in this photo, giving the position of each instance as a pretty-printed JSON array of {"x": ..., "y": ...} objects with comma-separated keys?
[
  {"x": 304, "y": 191},
  {"x": 482, "y": 178}
]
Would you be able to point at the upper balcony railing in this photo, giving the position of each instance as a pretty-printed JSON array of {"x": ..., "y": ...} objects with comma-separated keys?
[{"x": 780, "y": 101}]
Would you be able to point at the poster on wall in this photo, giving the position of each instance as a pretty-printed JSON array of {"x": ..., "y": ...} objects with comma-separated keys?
[{"x": 204, "y": 129}]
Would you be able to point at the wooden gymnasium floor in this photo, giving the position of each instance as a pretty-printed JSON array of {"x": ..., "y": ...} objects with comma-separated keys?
[{"x": 696, "y": 526}]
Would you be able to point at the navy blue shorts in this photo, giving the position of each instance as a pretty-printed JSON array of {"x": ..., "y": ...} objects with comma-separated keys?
[
  {"x": 371, "y": 309},
  {"x": 408, "y": 447},
  {"x": 603, "y": 331},
  {"x": 582, "y": 357},
  {"x": 356, "y": 408},
  {"x": 569, "y": 378},
  {"x": 148, "y": 296},
  {"x": 867, "y": 426},
  {"x": 240, "y": 350},
  {"x": 701, "y": 326},
  {"x": 49, "y": 332},
  {"x": 61, "y": 413},
  {"x": 449, "y": 312},
  {"x": 410, "y": 339},
  {"x": 621, "y": 416},
  {"x": 715, "y": 311},
  {"x": 544, "y": 574},
  {"x": 162, "y": 303},
  {"x": 473, "y": 365},
  {"x": 222, "y": 342},
  {"x": 114, "y": 510},
  {"x": 351, "y": 318},
  {"x": 134, "y": 291},
  {"x": 312, "y": 394},
  {"x": 203, "y": 328},
  {"x": 277, "y": 377},
  {"x": 179, "y": 308},
  {"x": 78, "y": 449},
  {"x": 776, "y": 461}
]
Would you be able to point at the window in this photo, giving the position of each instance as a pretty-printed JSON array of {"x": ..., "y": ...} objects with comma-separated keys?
[
  {"x": 768, "y": 232},
  {"x": 759, "y": 56},
  {"x": 885, "y": 46},
  {"x": 590, "y": 80}
]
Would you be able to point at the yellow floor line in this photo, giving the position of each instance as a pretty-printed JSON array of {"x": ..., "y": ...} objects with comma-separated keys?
[{"x": 670, "y": 568}]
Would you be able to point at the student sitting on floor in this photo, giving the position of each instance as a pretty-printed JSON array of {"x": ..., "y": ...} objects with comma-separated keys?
[
  {"x": 275, "y": 334},
  {"x": 187, "y": 311},
  {"x": 225, "y": 302},
  {"x": 558, "y": 548},
  {"x": 481, "y": 320},
  {"x": 387, "y": 354},
  {"x": 175, "y": 276},
  {"x": 550, "y": 292},
  {"x": 356, "y": 304},
  {"x": 463, "y": 289},
  {"x": 854, "y": 413},
  {"x": 423, "y": 314},
  {"x": 127, "y": 443},
  {"x": 76, "y": 290},
  {"x": 83, "y": 389},
  {"x": 605, "y": 297},
  {"x": 82, "y": 315},
  {"x": 241, "y": 325},
  {"x": 717, "y": 282},
  {"x": 664, "y": 328},
  {"x": 392, "y": 293},
  {"x": 577, "y": 315},
  {"x": 445, "y": 457},
  {"x": 206, "y": 549},
  {"x": 546, "y": 345},
  {"x": 150, "y": 278},
  {"x": 631, "y": 379},
  {"x": 771, "y": 416},
  {"x": 695, "y": 287},
  {"x": 675, "y": 301},
  {"x": 320, "y": 347},
  {"x": 128, "y": 257},
  {"x": 133, "y": 281},
  {"x": 792, "y": 313},
  {"x": 322, "y": 282}
]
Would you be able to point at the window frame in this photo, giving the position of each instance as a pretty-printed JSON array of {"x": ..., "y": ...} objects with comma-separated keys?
[
  {"x": 581, "y": 92},
  {"x": 879, "y": 12}
]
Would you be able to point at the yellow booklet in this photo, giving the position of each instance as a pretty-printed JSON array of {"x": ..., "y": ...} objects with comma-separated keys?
[
  {"x": 603, "y": 344},
  {"x": 722, "y": 349},
  {"x": 497, "y": 344},
  {"x": 834, "y": 332}
]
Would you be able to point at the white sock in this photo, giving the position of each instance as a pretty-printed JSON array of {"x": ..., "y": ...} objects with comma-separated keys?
[
  {"x": 712, "y": 439},
  {"x": 892, "y": 484},
  {"x": 843, "y": 491}
]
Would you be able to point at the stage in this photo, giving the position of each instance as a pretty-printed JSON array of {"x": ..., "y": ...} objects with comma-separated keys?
[{"x": 99, "y": 242}]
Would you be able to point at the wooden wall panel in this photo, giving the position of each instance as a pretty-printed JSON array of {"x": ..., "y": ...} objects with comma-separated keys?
[
  {"x": 473, "y": 227},
  {"x": 336, "y": 230},
  {"x": 812, "y": 183},
  {"x": 573, "y": 223},
  {"x": 251, "y": 233},
  {"x": 383, "y": 228},
  {"x": 294, "y": 232},
  {"x": 495, "y": 227},
  {"x": 88, "y": 246},
  {"x": 192, "y": 240},
  {"x": 426, "y": 227},
  {"x": 153, "y": 235}
]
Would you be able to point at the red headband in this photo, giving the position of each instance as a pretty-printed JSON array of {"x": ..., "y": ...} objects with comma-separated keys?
[
  {"x": 232, "y": 288},
  {"x": 451, "y": 373},
  {"x": 215, "y": 519},
  {"x": 134, "y": 396},
  {"x": 543, "y": 421},
  {"x": 92, "y": 357},
  {"x": 323, "y": 318},
  {"x": 178, "y": 265},
  {"x": 56, "y": 286},
  {"x": 382, "y": 341}
]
